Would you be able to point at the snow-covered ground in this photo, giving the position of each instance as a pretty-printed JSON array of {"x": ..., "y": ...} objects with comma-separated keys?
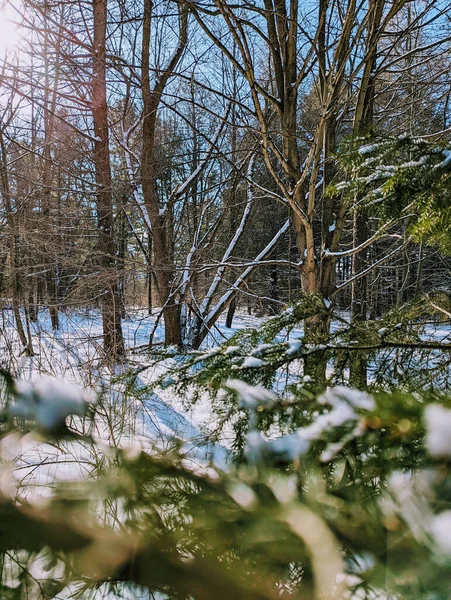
[
  {"x": 144, "y": 420},
  {"x": 131, "y": 420}
]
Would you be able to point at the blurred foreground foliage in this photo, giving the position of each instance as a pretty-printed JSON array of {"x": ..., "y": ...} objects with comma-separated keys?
[
  {"x": 406, "y": 350},
  {"x": 363, "y": 510}
]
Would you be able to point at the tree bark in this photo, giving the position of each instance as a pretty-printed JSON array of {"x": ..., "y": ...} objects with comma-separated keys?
[
  {"x": 363, "y": 122},
  {"x": 110, "y": 299},
  {"x": 12, "y": 239},
  {"x": 161, "y": 220},
  {"x": 49, "y": 254}
]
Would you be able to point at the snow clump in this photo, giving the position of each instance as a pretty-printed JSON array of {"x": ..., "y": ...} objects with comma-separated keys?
[
  {"x": 231, "y": 350},
  {"x": 441, "y": 531},
  {"x": 253, "y": 363},
  {"x": 438, "y": 430},
  {"x": 49, "y": 401},
  {"x": 293, "y": 347},
  {"x": 251, "y": 396},
  {"x": 342, "y": 396},
  {"x": 343, "y": 401}
]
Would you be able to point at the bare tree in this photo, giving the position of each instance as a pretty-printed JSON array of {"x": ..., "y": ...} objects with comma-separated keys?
[
  {"x": 110, "y": 299},
  {"x": 160, "y": 216}
]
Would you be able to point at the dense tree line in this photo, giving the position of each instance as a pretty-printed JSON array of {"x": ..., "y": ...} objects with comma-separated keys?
[{"x": 182, "y": 155}]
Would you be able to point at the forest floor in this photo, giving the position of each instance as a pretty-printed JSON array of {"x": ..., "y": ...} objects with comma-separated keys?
[
  {"x": 128, "y": 418},
  {"x": 123, "y": 418}
]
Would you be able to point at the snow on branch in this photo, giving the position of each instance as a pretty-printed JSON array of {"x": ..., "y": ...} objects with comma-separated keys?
[
  {"x": 181, "y": 189},
  {"x": 345, "y": 405},
  {"x": 230, "y": 293},
  {"x": 48, "y": 401},
  {"x": 363, "y": 245},
  {"x": 238, "y": 233}
]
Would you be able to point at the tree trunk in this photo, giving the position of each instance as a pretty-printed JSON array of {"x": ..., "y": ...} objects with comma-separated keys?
[
  {"x": 359, "y": 300},
  {"x": 121, "y": 236},
  {"x": 363, "y": 122},
  {"x": 110, "y": 299},
  {"x": 161, "y": 220},
  {"x": 149, "y": 274},
  {"x": 230, "y": 314},
  {"x": 12, "y": 240},
  {"x": 49, "y": 254}
]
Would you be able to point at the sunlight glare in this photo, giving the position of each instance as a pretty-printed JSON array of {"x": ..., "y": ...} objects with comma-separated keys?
[{"x": 10, "y": 35}]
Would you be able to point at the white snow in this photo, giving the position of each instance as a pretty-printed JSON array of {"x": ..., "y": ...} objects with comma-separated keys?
[
  {"x": 293, "y": 347},
  {"x": 343, "y": 402},
  {"x": 289, "y": 447},
  {"x": 341, "y": 395},
  {"x": 209, "y": 354},
  {"x": 415, "y": 163},
  {"x": 261, "y": 348},
  {"x": 251, "y": 396},
  {"x": 253, "y": 363},
  {"x": 411, "y": 495},
  {"x": 167, "y": 381},
  {"x": 438, "y": 430},
  {"x": 49, "y": 401},
  {"x": 447, "y": 155},
  {"x": 242, "y": 494},
  {"x": 255, "y": 446},
  {"x": 231, "y": 350},
  {"x": 368, "y": 148},
  {"x": 440, "y": 528},
  {"x": 337, "y": 417}
]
